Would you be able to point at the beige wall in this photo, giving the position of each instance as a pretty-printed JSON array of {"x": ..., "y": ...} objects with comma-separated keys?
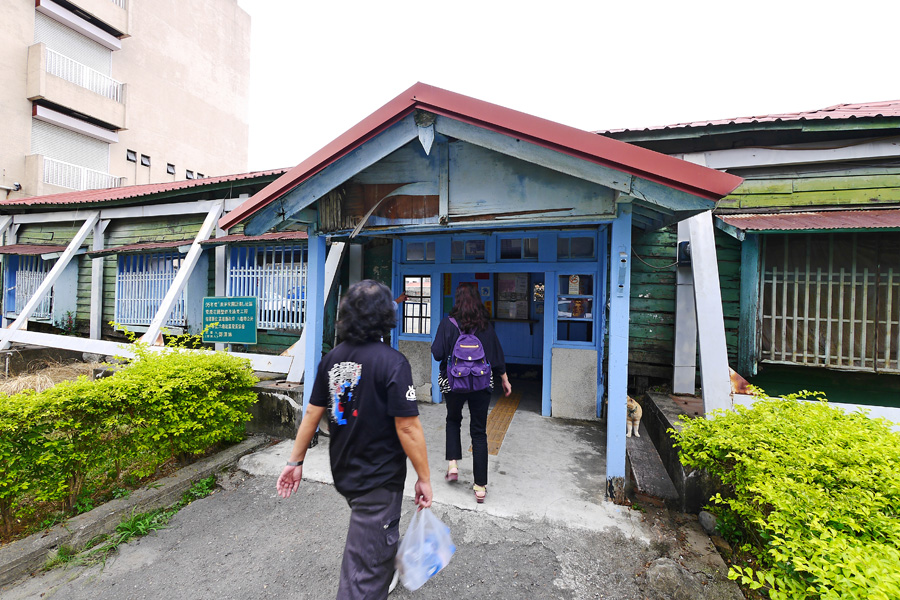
[{"x": 186, "y": 66}]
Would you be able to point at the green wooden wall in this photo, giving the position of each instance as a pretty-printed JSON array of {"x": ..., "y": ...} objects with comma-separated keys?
[{"x": 652, "y": 325}]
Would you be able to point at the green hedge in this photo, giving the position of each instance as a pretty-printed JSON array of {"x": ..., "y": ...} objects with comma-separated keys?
[
  {"x": 163, "y": 405},
  {"x": 812, "y": 495}
]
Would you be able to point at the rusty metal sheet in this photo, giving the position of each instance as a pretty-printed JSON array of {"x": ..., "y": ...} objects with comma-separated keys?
[
  {"x": 30, "y": 249},
  {"x": 826, "y": 219}
]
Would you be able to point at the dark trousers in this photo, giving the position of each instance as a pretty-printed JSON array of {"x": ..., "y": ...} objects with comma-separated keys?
[
  {"x": 478, "y": 402},
  {"x": 372, "y": 538}
]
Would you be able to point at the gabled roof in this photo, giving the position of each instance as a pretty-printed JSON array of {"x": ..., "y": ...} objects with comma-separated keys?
[
  {"x": 865, "y": 110},
  {"x": 131, "y": 191},
  {"x": 671, "y": 172}
]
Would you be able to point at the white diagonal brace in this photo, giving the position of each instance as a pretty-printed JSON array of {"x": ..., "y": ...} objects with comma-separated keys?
[
  {"x": 298, "y": 350},
  {"x": 97, "y": 280},
  {"x": 184, "y": 271},
  {"x": 46, "y": 285}
]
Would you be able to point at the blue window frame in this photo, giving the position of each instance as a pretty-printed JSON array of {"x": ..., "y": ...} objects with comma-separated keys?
[
  {"x": 419, "y": 251},
  {"x": 576, "y": 246},
  {"x": 575, "y": 308},
  {"x": 518, "y": 248},
  {"x": 468, "y": 250}
]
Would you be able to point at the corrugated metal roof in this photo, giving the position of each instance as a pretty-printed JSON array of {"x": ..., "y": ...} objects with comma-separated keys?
[
  {"x": 131, "y": 191},
  {"x": 826, "y": 219},
  {"x": 668, "y": 171},
  {"x": 30, "y": 249},
  {"x": 249, "y": 239},
  {"x": 142, "y": 247},
  {"x": 865, "y": 110}
]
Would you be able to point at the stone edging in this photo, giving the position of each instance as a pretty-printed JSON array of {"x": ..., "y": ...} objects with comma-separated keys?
[{"x": 22, "y": 557}]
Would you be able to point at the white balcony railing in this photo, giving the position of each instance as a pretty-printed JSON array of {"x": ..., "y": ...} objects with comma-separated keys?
[
  {"x": 63, "y": 174},
  {"x": 84, "y": 76},
  {"x": 120, "y": 3}
]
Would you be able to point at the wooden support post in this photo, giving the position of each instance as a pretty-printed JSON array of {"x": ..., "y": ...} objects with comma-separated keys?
[
  {"x": 619, "y": 306},
  {"x": 181, "y": 278},
  {"x": 714, "y": 374},
  {"x": 684, "y": 373},
  {"x": 314, "y": 324},
  {"x": 221, "y": 274},
  {"x": 50, "y": 279},
  {"x": 749, "y": 323},
  {"x": 298, "y": 349},
  {"x": 99, "y": 236}
]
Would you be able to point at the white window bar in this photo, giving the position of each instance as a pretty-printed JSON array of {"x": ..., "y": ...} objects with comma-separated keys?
[
  {"x": 417, "y": 307},
  {"x": 276, "y": 276},
  {"x": 84, "y": 76},
  {"x": 63, "y": 174},
  {"x": 120, "y": 3},
  {"x": 142, "y": 281},
  {"x": 855, "y": 326},
  {"x": 30, "y": 273}
]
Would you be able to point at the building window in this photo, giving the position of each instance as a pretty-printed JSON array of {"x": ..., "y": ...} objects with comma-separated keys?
[
  {"x": 575, "y": 247},
  {"x": 200, "y": 175},
  {"x": 467, "y": 250},
  {"x": 419, "y": 251},
  {"x": 142, "y": 281},
  {"x": 145, "y": 160},
  {"x": 131, "y": 156},
  {"x": 518, "y": 248},
  {"x": 276, "y": 275},
  {"x": 189, "y": 175},
  {"x": 575, "y": 308},
  {"x": 831, "y": 300},
  {"x": 417, "y": 306},
  {"x": 170, "y": 169},
  {"x": 24, "y": 273}
]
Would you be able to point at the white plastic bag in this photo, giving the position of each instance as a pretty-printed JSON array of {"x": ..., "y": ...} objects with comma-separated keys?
[{"x": 426, "y": 549}]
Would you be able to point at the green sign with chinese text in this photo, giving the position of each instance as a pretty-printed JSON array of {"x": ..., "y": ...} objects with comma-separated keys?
[{"x": 229, "y": 320}]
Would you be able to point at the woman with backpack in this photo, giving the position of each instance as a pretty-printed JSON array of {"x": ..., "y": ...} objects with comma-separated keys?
[{"x": 471, "y": 359}]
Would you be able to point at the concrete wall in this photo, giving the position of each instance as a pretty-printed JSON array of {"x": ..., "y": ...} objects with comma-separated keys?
[
  {"x": 186, "y": 67},
  {"x": 573, "y": 390},
  {"x": 419, "y": 356}
]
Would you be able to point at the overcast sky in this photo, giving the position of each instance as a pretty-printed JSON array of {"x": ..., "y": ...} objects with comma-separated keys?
[{"x": 318, "y": 68}]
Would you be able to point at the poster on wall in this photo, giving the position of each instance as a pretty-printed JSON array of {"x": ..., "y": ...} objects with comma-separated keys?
[{"x": 513, "y": 291}]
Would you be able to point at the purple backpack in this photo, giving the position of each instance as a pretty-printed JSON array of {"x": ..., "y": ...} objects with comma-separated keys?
[{"x": 467, "y": 368}]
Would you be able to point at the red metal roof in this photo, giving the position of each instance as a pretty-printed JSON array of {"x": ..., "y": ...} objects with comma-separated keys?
[
  {"x": 694, "y": 179},
  {"x": 825, "y": 219},
  {"x": 30, "y": 249},
  {"x": 865, "y": 110},
  {"x": 142, "y": 247},
  {"x": 266, "y": 237},
  {"x": 131, "y": 191}
]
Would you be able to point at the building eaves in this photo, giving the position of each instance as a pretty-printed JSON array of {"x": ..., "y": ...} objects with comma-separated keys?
[{"x": 824, "y": 220}]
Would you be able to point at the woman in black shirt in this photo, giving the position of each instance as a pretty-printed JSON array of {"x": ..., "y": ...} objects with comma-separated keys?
[{"x": 472, "y": 317}]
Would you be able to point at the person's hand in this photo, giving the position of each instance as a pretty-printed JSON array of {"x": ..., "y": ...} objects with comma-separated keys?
[
  {"x": 423, "y": 495},
  {"x": 289, "y": 480},
  {"x": 401, "y": 298},
  {"x": 507, "y": 388}
]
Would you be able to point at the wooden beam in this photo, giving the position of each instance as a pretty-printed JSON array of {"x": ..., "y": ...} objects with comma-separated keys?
[
  {"x": 181, "y": 278},
  {"x": 298, "y": 349},
  {"x": 128, "y": 212},
  {"x": 316, "y": 186},
  {"x": 684, "y": 372},
  {"x": 46, "y": 285},
  {"x": 714, "y": 371},
  {"x": 97, "y": 279},
  {"x": 749, "y": 322},
  {"x": 617, "y": 374},
  {"x": 731, "y": 230}
]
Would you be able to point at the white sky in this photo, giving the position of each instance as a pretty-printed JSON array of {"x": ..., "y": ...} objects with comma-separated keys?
[{"x": 318, "y": 68}]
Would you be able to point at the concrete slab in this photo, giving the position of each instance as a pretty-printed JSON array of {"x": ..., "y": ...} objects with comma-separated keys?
[{"x": 546, "y": 469}]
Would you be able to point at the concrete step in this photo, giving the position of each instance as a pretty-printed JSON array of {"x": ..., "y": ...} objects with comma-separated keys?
[{"x": 650, "y": 483}]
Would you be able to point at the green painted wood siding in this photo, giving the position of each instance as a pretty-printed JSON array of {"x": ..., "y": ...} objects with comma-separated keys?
[
  {"x": 867, "y": 186},
  {"x": 652, "y": 324}
]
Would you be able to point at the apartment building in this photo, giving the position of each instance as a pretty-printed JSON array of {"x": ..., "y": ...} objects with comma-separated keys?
[{"x": 107, "y": 93}]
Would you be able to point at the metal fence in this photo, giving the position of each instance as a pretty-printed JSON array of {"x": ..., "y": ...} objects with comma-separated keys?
[
  {"x": 63, "y": 174},
  {"x": 30, "y": 273},
  {"x": 84, "y": 76},
  {"x": 141, "y": 284}
]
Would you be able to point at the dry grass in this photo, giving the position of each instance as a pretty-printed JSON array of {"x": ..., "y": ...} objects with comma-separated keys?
[{"x": 45, "y": 376}]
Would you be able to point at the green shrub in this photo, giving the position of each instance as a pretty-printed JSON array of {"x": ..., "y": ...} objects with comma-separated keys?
[
  {"x": 21, "y": 434},
  {"x": 816, "y": 492}
]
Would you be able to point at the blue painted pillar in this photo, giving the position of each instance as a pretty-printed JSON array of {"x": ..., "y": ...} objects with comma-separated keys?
[
  {"x": 397, "y": 289},
  {"x": 437, "y": 298},
  {"x": 551, "y": 281},
  {"x": 620, "y": 292},
  {"x": 747, "y": 327},
  {"x": 315, "y": 310}
]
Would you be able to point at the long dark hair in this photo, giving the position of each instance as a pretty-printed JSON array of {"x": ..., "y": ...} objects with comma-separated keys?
[
  {"x": 367, "y": 313},
  {"x": 468, "y": 310}
]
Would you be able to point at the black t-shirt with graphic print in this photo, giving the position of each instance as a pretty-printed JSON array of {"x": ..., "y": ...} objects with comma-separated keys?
[{"x": 364, "y": 387}]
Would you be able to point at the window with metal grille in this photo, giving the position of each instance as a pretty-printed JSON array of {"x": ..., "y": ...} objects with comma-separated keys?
[
  {"x": 276, "y": 275},
  {"x": 23, "y": 276},
  {"x": 142, "y": 281},
  {"x": 831, "y": 300},
  {"x": 417, "y": 306}
]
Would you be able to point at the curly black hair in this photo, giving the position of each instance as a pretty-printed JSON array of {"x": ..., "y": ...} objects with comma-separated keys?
[{"x": 367, "y": 313}]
